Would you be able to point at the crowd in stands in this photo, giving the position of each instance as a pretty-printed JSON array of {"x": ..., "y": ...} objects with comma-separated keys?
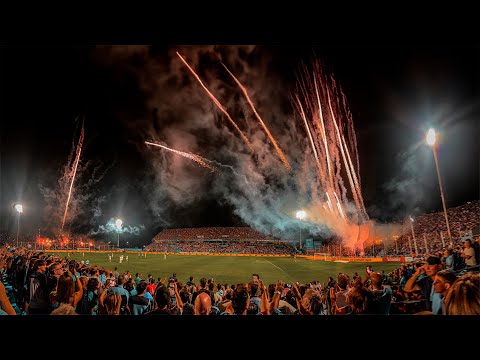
[
  {"x": 223, "y": 247},
  {"x": 443, "y": 280},
  {"x": 240, "y": 233},
  {"x": 34, "y": 283},
  {"x": 429, "y": 229},
  {"x": 5, "y": 237},
  {"x": 462, "y": 220}
]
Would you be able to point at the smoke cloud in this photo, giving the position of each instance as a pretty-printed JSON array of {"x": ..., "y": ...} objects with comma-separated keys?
[
  {"x": 86, "y": 198},
  {"x": 110, "y": 227},
  {"x": 262, "y": 191}
]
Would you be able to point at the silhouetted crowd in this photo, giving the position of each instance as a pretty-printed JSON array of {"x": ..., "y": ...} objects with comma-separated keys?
[
  {"x": 38, "y": 283},
  {"x": 219, "y": 247}
]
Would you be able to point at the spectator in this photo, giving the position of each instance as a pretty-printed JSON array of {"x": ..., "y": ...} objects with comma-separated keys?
[
  {"x": 468, "y": 253},
  {"x": 118, "y": 289},
  {"x": 463, "y": 297},
  {"x": 64, "y": 309},
  {"x": 240, "y": 300},
  {"x": 433, "y": 300},
  {"x": 381, "y": 292},
  {"x": 203, "y": 304},
  {"x": 448, "y": 259},
  {"x": 6, "y": 307},
  {"x": 162, "y": 302},
  {"x": 39, "y": 294},
  {"x": 66, "y": 293},
  {"x": 442, "y": 283},
  {"x": 139, "y": 304}
]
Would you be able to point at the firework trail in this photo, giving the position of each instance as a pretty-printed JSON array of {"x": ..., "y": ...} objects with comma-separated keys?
[
  {"x": 323, "y": 133},
  {"x": 340, "y": 145},
  {"x": 326, "y": 180},
  {"x": 277, "y": 148},
  {"x": 328, "y": 123},
  {"x": 198, "y": 159},
  {"x": 73, "y": 172},
  {"x": 217, "y": 103}
]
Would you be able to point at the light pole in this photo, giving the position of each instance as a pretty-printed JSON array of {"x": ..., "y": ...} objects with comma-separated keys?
[
  {"x": 301, "y": 215},
  {"x": 19, "y": 209},
  {"x": 118, "y": 224},
  {"x": 431, "y": 140},
  {"x": 413, "y": 236}
]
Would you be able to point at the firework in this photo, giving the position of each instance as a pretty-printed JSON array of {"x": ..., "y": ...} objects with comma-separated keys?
[
  {"x": 73, "y": 173},
  {"x": 322, "y": 107},
  {"x": 197, "y": 158},
  {"x": 222, "y": 109},
  {"x": 329, "y": 176},
  {"x": 277, "y": 148}
]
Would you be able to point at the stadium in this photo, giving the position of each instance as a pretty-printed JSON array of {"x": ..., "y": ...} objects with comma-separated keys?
[{"x": 232, "y": 180}]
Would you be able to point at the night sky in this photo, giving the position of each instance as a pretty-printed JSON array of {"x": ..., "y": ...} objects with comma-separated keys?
[{"x": 127, "y": 95}]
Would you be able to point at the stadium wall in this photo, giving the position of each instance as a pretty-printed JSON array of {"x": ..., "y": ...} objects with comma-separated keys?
[
  {"x": 360, "y": 259},
  {"x": 340, "y": 258}
]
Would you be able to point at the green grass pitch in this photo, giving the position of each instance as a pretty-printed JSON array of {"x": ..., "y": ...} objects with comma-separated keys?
[{"x": 229, "y": 269}]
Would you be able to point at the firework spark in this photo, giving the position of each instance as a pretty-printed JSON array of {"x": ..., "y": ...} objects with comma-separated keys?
[
  {"x": 277, "y": 148},
  {"x": 326, "y": 179},
  {"x": 215, "y": 100},
  {"x": 197, "y": 158},
  {"x": 73, "y": 173},
  {"x": 322, "y": 107}
]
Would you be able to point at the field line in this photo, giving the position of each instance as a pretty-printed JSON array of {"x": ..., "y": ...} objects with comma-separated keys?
[{"x": 275, "y": 265}]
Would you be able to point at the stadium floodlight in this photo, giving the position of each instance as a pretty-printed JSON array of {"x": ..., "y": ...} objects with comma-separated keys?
[
  {"x": 19, "y": 209},
  {"x": 413, "y": 236},
  {"x": 118, "y": 224},
  {"x": 301, "y": 215},
  {"x": 431, "y": 141}
]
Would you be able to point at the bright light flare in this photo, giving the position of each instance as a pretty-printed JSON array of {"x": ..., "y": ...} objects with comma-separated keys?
[
  {"x": 431, "y": 137},
  {"x": 18, "y": 207},
  {"x": 301, "y": 214},
  {"x": 411, "y": 219},
  {"x": 118, "y": 223}
]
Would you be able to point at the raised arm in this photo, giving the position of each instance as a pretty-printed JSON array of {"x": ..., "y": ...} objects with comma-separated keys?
[
  {"x": 298, "y": 298},
  {"x": 411, "y": 284},
  {"x": 77, "y": 296},
  {"x": 276, "y": 296},
  {"x": 264, "y": 308},
  {"x": 177, "y": 297}
]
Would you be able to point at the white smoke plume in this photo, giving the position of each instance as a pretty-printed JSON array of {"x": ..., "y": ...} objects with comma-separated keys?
[
  {"x": 110, "y": 227},
  {"x": 264, "y": 194},
  {"x": 86, "y": 198}
]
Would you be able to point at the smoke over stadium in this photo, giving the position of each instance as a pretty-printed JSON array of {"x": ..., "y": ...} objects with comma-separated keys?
[{"x": 227, "y": 127}]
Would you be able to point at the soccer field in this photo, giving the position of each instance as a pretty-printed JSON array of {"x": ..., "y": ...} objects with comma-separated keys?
[{"x": 229, "y": 269}]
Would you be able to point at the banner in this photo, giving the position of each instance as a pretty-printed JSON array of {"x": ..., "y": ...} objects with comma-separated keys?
[{"x": 309, "y": 244}]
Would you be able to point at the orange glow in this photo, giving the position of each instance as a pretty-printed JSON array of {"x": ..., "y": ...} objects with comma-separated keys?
[{"x": 41, "y": 240}]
